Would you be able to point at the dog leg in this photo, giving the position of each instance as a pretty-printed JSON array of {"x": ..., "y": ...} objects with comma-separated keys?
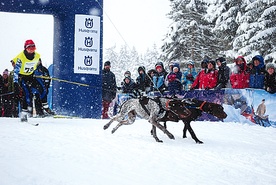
[
  {"x": 129, "y": 121},
  {"x": 191, "y": 131},
  {"x": 161, "y": 127},
  {"x": 185, "y": 130},
  {"x": 165, "y": 124},
  {"x": 109, "y": 123},
  {"x": 153, "y": 133},
  {"x": 115, "y": 128}
]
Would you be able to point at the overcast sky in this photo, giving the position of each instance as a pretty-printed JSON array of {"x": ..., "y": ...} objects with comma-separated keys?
[
  {"x": 138, "y": 23},
  {"x": 141, "y": 23}
]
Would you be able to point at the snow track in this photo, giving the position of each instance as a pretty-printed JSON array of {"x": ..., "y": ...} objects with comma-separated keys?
[{"x": 79, "y": 151}]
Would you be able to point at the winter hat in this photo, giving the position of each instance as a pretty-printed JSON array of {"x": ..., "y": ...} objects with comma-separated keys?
[
  {"x": 221, "y": 60},
  {"x": 127, "y": 77},
  {"x": 158, "y": 66},
  {"x": 190, "y": 62},
  {"x": 127, "y": 73},
  {"x": 213, "y": 62},
  {"x": 205, "y": 61},
  {"x": 141, "y": 68},
  {"x": 29, "y": 43},
  {"x": 6, "y": 72},
  {"x": 151, "y": 71},
  {"x": 171, "y": 63},
  {"x": 270, "y": 65},
  {"x": 107, "y": 63},
  {"x": 175, "y": 68}
]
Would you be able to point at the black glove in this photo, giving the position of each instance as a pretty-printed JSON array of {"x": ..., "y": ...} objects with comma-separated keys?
[
  {"x": 218, "y": 87},
  {"x": 190, "y": 77},
  {"x": 207, "y": 88},
  {"x": 16, "y": 90}
]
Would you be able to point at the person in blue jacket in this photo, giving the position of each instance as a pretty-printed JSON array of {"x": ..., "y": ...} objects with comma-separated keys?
[
  {"x": 257, "y": 73},
  {"x": 189, "y": 75},
  {"x": 160, "y": 77}
]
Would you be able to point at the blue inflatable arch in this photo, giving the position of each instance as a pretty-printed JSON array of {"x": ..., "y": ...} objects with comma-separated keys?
[{"x": 77, "y": 57}]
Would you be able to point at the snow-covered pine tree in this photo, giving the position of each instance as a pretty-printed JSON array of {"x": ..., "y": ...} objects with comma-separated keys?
[
  {"x": 151, "y": 57},
  {"x": 190, "y": 35},
  {"x": 256, "y": 33},
  {"x": 223, "y": 14}
]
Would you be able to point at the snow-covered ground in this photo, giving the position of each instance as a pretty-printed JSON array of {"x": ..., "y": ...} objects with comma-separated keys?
[{"x": 80, "y": 152}]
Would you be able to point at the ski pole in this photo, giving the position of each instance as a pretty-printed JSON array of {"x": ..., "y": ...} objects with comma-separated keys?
[
  {"x": 60, "y": 80},
  {"x": 5, "y": 94}
]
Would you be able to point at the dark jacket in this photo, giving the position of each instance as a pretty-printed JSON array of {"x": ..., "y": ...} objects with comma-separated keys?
[
  {"x": 143, "y": 82},
  {"x": 270, "y": 82},
  {"x": 108, "y": 85},
  {"x": 174, "y": 81},
  {"x": 223, "y": 76},
  {"x": 128, "y": 87},
  {"x": 257, "y": 74},
  {"x": 1, "y": 84}
]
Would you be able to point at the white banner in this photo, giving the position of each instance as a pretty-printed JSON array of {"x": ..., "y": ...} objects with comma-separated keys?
[{"x": 87, "y": 44}]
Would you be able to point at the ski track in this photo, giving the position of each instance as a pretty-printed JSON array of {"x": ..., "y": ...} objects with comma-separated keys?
[{"x": 79, "y": 151}]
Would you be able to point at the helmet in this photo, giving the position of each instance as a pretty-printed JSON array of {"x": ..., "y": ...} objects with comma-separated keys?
[{"x": 29, "y": 43}]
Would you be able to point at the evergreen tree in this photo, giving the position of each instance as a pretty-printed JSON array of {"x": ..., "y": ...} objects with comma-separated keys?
[
  {"x": 223, "y": 15},
  {"x": 135, "y": 62},
  {"x": 256, "y": 33},
  {"x": 150, "y": 58},
  {"x": 190, "y": 36},
  {"x": 130, "y": 60}
]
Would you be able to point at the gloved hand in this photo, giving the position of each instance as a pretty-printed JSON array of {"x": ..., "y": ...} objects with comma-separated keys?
[
  {"x": 171, "y": 77},
  {"x": 16, "y": 90},
  {"x": 190, "y": 77},
  {"x": 207, "y": 88},
  {"x": 218, "y": 87}
]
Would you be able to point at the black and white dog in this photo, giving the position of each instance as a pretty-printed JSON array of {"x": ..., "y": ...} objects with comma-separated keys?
[{"x": 147, "y": 108}]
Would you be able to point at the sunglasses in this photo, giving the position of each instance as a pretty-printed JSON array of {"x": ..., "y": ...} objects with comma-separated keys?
[{"x": 30, "y": 47}]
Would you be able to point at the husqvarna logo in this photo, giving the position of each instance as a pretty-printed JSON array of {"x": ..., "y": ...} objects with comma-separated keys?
[
  {"x": 88, "y": 61},
  {"x": 88, "y": 42},
  {"x": 88, "y": 23}
]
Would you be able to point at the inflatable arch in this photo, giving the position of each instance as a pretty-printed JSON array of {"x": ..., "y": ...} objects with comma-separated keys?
[{"x": 77, "y": 57}]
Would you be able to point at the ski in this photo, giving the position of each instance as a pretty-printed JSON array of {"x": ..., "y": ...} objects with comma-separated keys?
[
  {"x": 34, "y": 124},
  {"x": 26, "y": 120},
  {"x": 30, "y": 123}
]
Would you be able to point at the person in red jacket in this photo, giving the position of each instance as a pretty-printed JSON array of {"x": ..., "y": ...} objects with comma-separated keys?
[
  {"x": 207, "y": 78},
  {"x": 239, "y": 78}
]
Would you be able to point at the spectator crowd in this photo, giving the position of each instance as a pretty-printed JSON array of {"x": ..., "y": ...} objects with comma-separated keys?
[
  {"x": 25, "y": 88},
  {"x": 213, "y": 75}
]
